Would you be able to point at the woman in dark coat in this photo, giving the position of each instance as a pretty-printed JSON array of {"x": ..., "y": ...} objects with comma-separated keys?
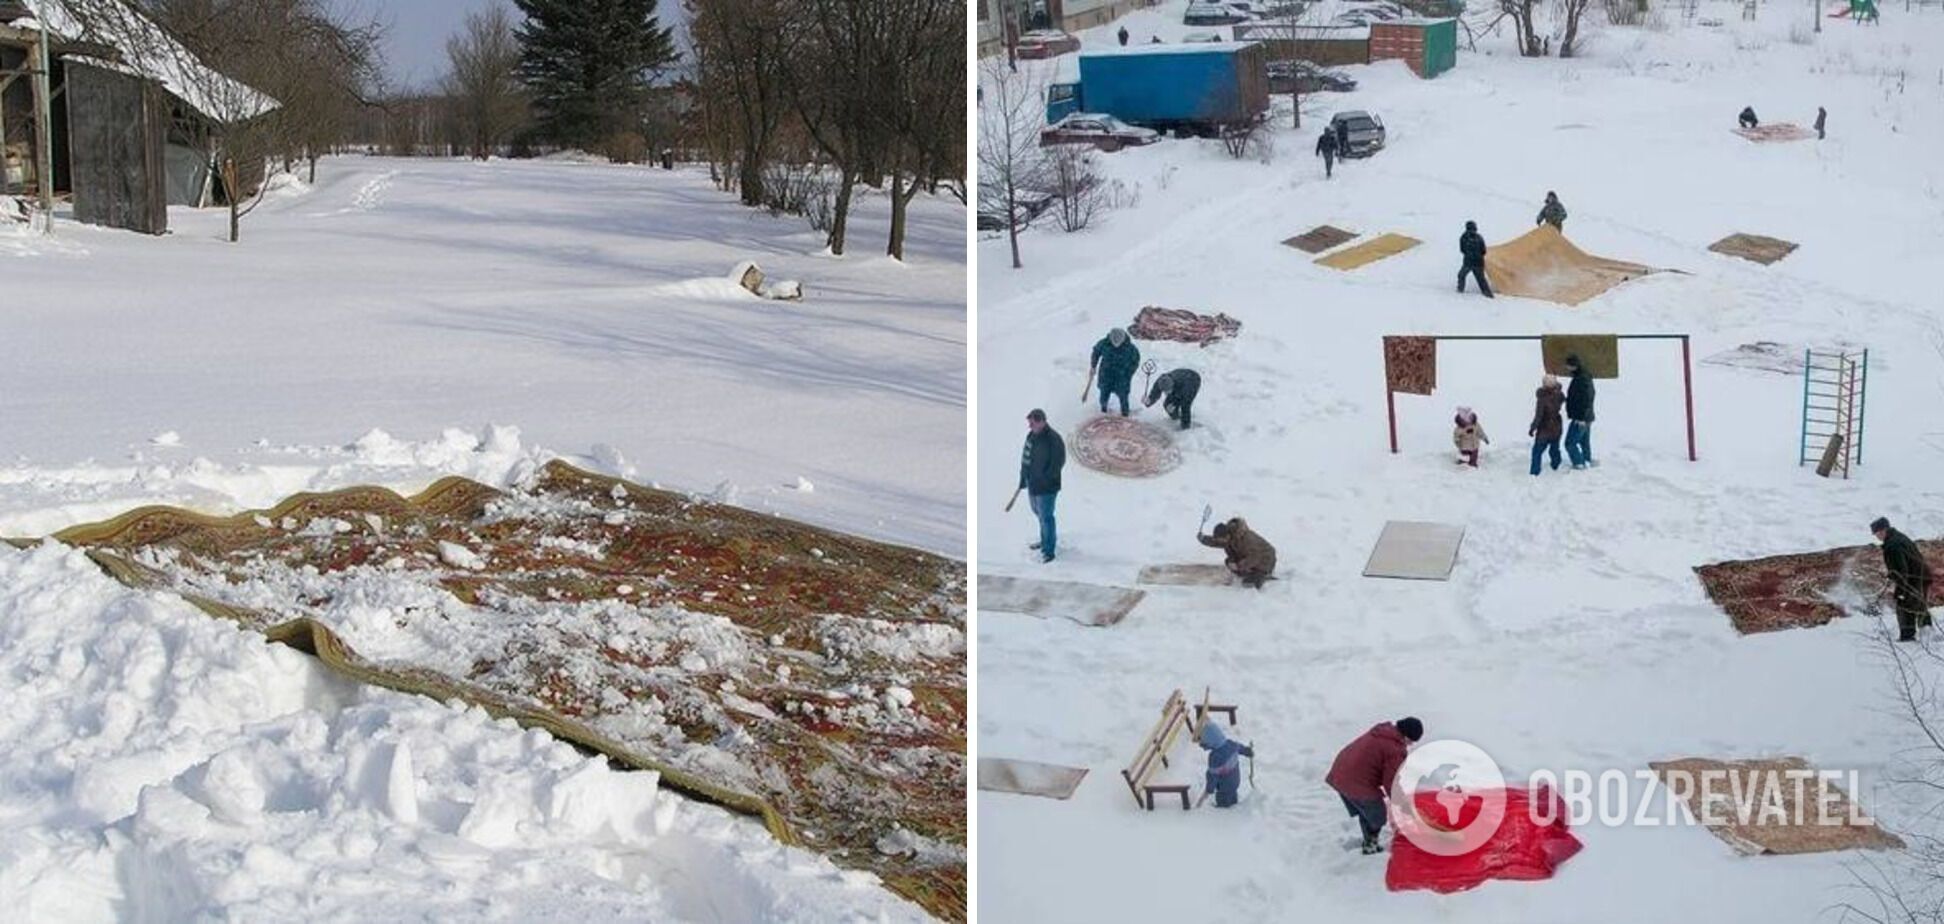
[{"x": 1547, "y": 427}]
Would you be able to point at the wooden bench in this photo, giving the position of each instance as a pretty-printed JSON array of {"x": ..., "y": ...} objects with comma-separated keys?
[{"x": 1153, "y": 754}]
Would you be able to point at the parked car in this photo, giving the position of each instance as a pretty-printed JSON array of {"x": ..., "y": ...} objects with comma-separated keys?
[
  {"x": 1203, "y": 37},
  {"x": 1102, "y": 131},
  {"x": 1047, "y": 43},
  {"x": 1029, "y": 204},
  {"x": 1204, "y": 13},
  {"x": 1304, "y": 77},
  {"x": 1363, "y": 132}
]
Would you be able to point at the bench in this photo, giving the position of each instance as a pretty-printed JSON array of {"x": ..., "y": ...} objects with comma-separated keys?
[{"x": 1153, "y": 754}]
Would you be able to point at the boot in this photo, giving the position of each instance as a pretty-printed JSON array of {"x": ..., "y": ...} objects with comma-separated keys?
[{"x": 1370, "y": 845}]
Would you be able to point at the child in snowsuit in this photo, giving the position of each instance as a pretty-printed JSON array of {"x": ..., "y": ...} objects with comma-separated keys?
[
  {"x": 1176, "y": 391},
  {"x": 1546, "y": 427},
  {"x": 1466, "y": 434},
  {"x": 1471, "y": 246},
  {"x": 1552, "y": 213},
  {"x": 1249, "y": 556},
  {"x": 1224, "y": 778}
]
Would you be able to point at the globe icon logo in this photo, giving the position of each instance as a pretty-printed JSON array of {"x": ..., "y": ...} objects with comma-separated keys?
[{"x": 1466, "y": 793}]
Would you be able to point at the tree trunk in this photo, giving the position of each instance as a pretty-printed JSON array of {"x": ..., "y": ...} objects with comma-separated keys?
[
  {"x": 840, "y": 214},
  {"x": 1012, "y": 221},
  {"x": 313, "y": 170},
  {"x": 898, "y": 202},
  {"x": 235, "y": 205},
  {"x": 1296, "y": 105},
  {"x": 752, "y": 178}
]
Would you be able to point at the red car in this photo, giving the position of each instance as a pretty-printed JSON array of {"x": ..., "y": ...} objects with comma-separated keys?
[
  {"x": 1102, "y": 131},
  {"x": 1046, "y": 43}
]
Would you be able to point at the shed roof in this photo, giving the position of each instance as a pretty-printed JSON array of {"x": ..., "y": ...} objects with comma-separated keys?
[{"x": 145, "y": 49}]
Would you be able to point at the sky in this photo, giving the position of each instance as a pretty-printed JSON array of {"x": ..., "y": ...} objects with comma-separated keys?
[{"x": 416, "y": 31}]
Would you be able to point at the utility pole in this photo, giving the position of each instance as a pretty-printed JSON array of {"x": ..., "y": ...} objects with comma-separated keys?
[
  {"x": 44, "y": 130},
  {"x": 1816, "y": 13}
]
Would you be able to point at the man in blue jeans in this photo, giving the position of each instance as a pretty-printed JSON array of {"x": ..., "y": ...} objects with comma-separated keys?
[
  {"x": 1579, "y": 413},
  {"x": 1039, "y": 476}
]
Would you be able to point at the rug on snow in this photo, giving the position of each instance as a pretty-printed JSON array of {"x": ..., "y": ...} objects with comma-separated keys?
[
  {"x": 1125, "y": 446},
  {"x": 1805, "y": 590}
]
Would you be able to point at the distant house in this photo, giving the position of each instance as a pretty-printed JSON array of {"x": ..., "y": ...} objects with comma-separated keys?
[
  {"x": 1063, "y": 15},
  {"x": 136, "y": 118}
]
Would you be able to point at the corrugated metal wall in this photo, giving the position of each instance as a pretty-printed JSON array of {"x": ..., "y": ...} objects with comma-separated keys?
[{"x": 116, "y": 127}]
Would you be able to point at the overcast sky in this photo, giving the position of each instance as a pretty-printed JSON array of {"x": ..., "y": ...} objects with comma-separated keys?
[{"x": 416, "y": 31}]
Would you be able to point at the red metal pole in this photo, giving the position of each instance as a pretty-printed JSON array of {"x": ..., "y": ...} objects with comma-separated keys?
[
  {"x": 1390, "y": 404},
  {"x": 1687, "y": 386}
]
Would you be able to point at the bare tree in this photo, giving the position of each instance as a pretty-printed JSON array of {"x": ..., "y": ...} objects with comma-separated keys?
[
  {"x": 924, "y": 109},
  {"x": 1010, "y": 161},
  {"x": 743, "y": 51},
  {"x": 1575, "y": 11},
  {"x": 489, "y": 104},
  {"x": 835, "y": 91}
]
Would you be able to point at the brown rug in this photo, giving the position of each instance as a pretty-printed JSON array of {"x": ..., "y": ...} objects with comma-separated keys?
[
  {"x": 1182, "y": 325},
  {"x": 1186, "y": 575},
  {"x": 1086, "y": 604},
  {"x": 1776, "y": 131},
  {"x": 1737, "y": 801},
  {"x": 1124, "y": 446},
  {"x": 1320, "y": 238},
  {"x": 1029, "y": 778},
  {"x": 813, "y": 678},
  {"x": 1543, "y": 264},
  {"x": 1763, "y": 250},
  {"x": 1805, "y": 590}
]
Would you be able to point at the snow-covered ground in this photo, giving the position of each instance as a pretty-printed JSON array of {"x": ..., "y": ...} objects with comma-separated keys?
[
  {"x": 1573, "y": 635},
  {"x": 400, "y": 321}
]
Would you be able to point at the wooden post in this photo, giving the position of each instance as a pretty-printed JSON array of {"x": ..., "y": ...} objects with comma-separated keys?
[
  {"x": 1687, "y": 388},
  {"x": 44, "y": 130},
  {"x": 1390, "y": 405}
]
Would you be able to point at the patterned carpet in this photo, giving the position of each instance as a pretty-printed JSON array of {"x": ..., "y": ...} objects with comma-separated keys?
[
  {"x": 1805, "y": 590},
  {"x": 1182, "y": 325},
  {"x": 1126, "y": 447},
  {"x": 811, "y": 678}
]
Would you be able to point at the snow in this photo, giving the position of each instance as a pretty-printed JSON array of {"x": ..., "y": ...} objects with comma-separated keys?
[
  {"x": 402, "y": 321},
  {"x": 1573, "y": 635},
  {"x": 163, "y": 765}
]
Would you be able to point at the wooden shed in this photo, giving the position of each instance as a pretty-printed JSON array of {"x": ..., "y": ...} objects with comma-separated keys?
[
  {"x": 1324, "y": 46},
  {"x": 1429, "y": 46}
]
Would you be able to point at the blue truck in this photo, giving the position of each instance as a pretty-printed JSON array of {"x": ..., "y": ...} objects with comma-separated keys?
[{"x": 1189, "y": 88}]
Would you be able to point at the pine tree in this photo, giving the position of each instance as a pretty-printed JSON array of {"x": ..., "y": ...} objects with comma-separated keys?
[{"x": 589, "y": 64}]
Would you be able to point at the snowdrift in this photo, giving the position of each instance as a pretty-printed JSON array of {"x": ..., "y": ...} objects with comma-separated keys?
[
  {"x": 1521, "y": 848},
  {"x": 1543, "y": 264}
]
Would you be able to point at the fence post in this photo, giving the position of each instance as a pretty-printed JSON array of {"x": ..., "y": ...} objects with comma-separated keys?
[
  {"x": 1390, "y": 404},
  {"x": 1687, "y": 387},
  {"x": 1862, "y": 406},
  {"x": 1802, "y": 435}
]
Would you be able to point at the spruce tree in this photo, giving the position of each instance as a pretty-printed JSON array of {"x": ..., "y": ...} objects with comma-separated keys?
[{"x": 589, "y": 63}]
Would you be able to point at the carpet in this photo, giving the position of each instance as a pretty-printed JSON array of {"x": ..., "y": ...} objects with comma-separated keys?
[
  {"x": 1599, "y": 354},
  {"x": 1029, "y": 778},
  {"x": 1124, "y": 446},
  {"x": 1415, "y": 551},
  {"x": 1185, "y": 575},
  {"x": 1411, "y": 365},
  {"x": 1736, "y": 800},
  {"x": 1086, "y": 604},
  {"x": 720, "y": 647},
  {"x": 1763, "y": 250},
  {"x": 1320, "y": 238},
  {"x": 1179, "y": 324},
  {"x": 1805, "y": 590},
  {"x": 1543, "y": 264},
  {"x": 1776, "y": 131},
  {"x": 1370, "y": 251}
]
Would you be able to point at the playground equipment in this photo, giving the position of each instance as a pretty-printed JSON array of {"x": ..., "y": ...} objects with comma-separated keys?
[{"x": 1834, "y": 384}]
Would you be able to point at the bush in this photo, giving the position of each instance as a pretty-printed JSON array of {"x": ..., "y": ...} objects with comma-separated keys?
[
  {"x": 625, "y": 148},
  {"x": 802, "y": 189}
]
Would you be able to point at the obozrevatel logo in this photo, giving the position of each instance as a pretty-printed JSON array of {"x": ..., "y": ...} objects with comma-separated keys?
[{"x": 1467, "y": 793}]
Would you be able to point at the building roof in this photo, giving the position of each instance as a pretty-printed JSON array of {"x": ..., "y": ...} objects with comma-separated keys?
[{"x": 145, "y": 49}]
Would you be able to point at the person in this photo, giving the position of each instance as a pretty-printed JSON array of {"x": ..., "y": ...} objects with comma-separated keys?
[
  {"x": 1249, "y": 556},
  {"x": 1471, "y": 244},
  {"x": 1365, "y": 770},
  {"x": 1343, "y": 138},
  {"x": 1224, "y": 779},
  {"x": 1122, "y": 35},
  {"x": 1467, "y": 434},
  {"x": 1155, "y": 40},
  {"x": 1552, "y": 213},
  {"x": 1747, "y": 117},
  {"x": 1326, "y": 147},
  {"x": 1039, "y": 476},
  {"x": 1546, "y": 426},
  {"x": 1910, "y": 579},
  {"x": 1176, "y": 391},
  {"x": 1115, "y": 357},
  {"x": 1822, "y": 117},
  {"x": 1579, "y": 411}
]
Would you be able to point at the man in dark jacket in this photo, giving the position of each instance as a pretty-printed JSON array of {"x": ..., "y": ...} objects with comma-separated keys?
[
  {"x": 1365, "y": 770},
  {"x": 1123, "y": 35},
  {"x": 1115, "y": 357},
  {"x": 1822, "y": 118},
  {"x": 1176, "y": 391},
  {"x": 1552, "y": 213},
  {"x": 1910, "y": 579},
  {"x": 1747, "y": 117},
  {"x": 1248, "y": 555},
  {"x": 1471, "y": 245},
  {"x": 1039, "y": 475},
  {"x": 1579, "y": 413},
  {"x": 1326, "y": 148}
]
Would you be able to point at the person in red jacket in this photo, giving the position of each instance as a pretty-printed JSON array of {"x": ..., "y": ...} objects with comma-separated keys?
[{"x": 1364, "y": 770}]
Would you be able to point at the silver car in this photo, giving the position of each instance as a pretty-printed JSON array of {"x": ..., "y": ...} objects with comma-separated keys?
[{"x": 1359, "y": 134}]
